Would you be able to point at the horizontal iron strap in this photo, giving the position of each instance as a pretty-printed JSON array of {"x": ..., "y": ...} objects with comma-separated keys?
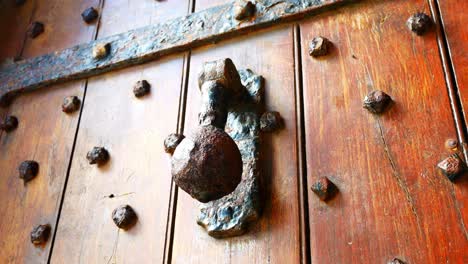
[{"x": 149, "y": 43}]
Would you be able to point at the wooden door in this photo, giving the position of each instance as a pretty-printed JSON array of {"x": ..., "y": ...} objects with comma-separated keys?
[{"x": 392, "y": 202}]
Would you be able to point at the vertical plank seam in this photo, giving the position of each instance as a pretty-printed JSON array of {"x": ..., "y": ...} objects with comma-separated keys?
[
  {"x": 454, "y": 96},
  {"x": 172, "y": 208},
  {"x": 301, "y": 154},
  {"x": 64, "y": 189},
  {"x": 449, "y": 72}
]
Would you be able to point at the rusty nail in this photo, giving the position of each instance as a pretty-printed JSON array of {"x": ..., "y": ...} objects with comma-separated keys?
[
  {"x": 377, "y": 102},
  {"x": 419, "y": 23},
  {"x": 172, "y": 141},
  {"x": 451, "y": 144},
  {"x": 28, "y": 170},
  {"x": 124, "y": 217},
  {"x": 452, "y": 167},
  {"x": 35, "y": 29},
  {"x": 71, "y": 104},
  {"x": 141, "y": 88},
  {"x": 89, "y": 15},
  {"x": 396, "y": 261},
  {"x": 101, "y": 50},
  {"x": 319, "y": 46},
  {"x": 270, "y": 121},
  {"x": 40, "y": 234},
  {"x": 324, "y": 188},
  {"x": 243, "y": 9},
  {"x": 98, "y": 155},
  {"x": 20, "y": 2},
  {"x": 9, "y": 124}
]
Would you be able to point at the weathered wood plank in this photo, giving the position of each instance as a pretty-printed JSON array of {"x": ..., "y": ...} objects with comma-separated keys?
[
  {"x": 392, "y": 202},
  {"x": 275, "y": 238},
  {"x": 133, "y": 131},
  {"x": 141, "y": 45},
  {"x": 456, "y": 32},
  {"x": 45, "y": 134}
]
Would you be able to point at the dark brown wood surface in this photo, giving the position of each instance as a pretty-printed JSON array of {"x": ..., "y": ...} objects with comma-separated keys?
[
  {"x": 276, "y": 237},
  {"x": 45, "y": 134},
  {"x": 133, "y": 131},
  {"x": 392, "y": 202},
  {"x": 456, "y": 31}
]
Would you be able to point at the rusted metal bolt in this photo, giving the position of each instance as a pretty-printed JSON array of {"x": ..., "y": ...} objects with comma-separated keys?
[
  {"x": 124, "y": 217},
  {"x": 377, "y": 102},
  {"x": 319, "y": 46},
  {"x": 207, "y": 165},
  {"x": 20, "y": 2},
  {"x": 172, "y": 141},
  {"x": 28, "y": 170},
  {"x": 419, "y": 23},
  {"x": 40, "y": 234},
  {"x": 35, "y": 29},
  {"x": 98, "y": 155},
  {"x": 89, "y": 15},
  {"x": 452, "y": 167},
  {"x": 141, "y": 88},
  {"x": 9, "y": 124},
  {"x": 451, "y": 144},
  {"x": 324, "y": 189},
  {"x": 270, "y": 121},
  {"x": 243, "y": 9},
  {"x": 396, "y": 261},
  {"x": 71, "y": 104},
  {"x": 101, "y": 50}
]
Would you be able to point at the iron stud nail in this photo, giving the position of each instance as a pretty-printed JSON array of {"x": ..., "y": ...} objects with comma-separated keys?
[
  {"x": 89, "y": 15},
  {"x": 419, "y": 23},
  {"x": 9, "y": 124},
  {"x": 324, "y": 189},
  {"x": 271, "y": 121},
  {"x": 243, "y": 9},
  {"x": 141, "y": 88},
  {"x": 40, "y": 234},
  {"x": 98, "y": 155},
  {"x": 124, "y": 217},
  {"x": 377, "y": 102},
  {"x": 28, "y": 170},
  {"x": 172, "y": 141},
  {"x": 35, "y": 29},
  {"x": 71, "y": 104},
  {"x": 452, "y": 167},
  {"x": 101, "y": 50},
  {"x": 319, "y": 46}
]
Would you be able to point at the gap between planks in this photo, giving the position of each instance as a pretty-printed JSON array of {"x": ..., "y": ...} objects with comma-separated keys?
[{"x": 83, "y": 99}]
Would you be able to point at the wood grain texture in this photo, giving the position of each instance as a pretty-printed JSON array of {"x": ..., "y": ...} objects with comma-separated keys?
[
  {"x": 14, "y": 21},
  {"x": 133, "y": 130},
  {"x": 392, "y": 202},
  {"x": 456, "y": 32},
  {"x": 275, "y": 238},
  {"x": 45, "y": 134}
]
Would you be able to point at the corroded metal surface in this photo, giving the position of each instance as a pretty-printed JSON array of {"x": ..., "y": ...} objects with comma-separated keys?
[
  {"x": 149, "y": 43},
  {"x": 230, "y": 215}
]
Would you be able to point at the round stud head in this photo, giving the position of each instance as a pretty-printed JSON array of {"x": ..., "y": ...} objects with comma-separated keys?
[
  {"x": 124, "y": 217},
  {"x": 40, "y": 234},
  {"x": 419, "y": 23},
  {"x": 28, "y": 170},
  {"x": 207, "y": 165}
]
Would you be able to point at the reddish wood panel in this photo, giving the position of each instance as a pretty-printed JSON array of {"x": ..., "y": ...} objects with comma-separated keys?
[
  {"x": 456, "y": 31},
  {"x": 45, "y": 134},
  {"x": 392, "y": 202},
  {"x": 133, "y": 131},
  {"x": 276, "y": 237},
  {"x": 14, "y": 21}
]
